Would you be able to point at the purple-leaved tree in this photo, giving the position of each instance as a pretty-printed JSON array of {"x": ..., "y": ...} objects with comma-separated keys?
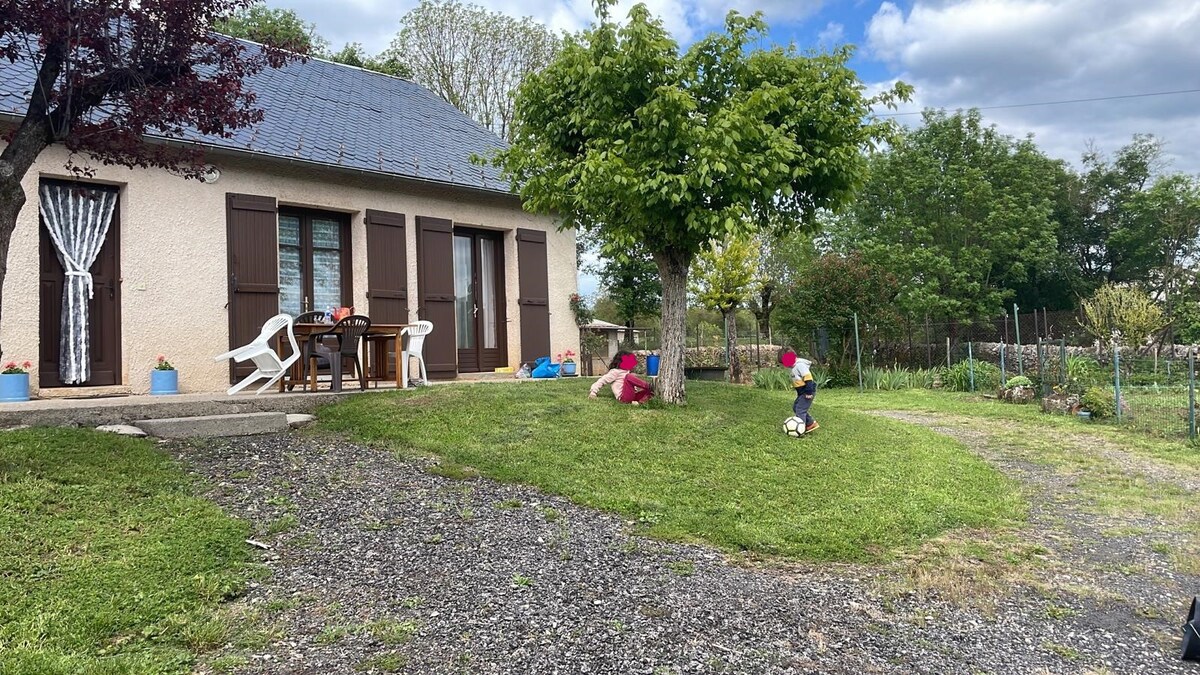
[{"x": 109, "y": 79}]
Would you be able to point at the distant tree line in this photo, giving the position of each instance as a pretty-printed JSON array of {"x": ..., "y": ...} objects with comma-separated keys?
[
  {"x": 957, "y": 222},
  {"x": 472, "y": 57}
]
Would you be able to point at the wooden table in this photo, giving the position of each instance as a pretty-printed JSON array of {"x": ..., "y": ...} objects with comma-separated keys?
[{"x": 305, "y": 330}]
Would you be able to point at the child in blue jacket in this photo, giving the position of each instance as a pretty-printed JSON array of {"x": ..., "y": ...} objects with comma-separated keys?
[{"x": 806, "y": 388}]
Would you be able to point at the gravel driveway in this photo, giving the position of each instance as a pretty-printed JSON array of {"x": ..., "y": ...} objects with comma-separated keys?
[{"x": 380, "y": 566}]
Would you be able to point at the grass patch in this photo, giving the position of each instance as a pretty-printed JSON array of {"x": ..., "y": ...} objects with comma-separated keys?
[
  {"x": 285, "y": 523},
  {"x": 718, "y": 470},
  {"x": 1129, "y": 438},
  {"x": 384, "y": 663},
  {"x": 109, "y": 561},
  {"x": 391, "y": 631},
  {"x": 331, "y": 635},
  {"x": 971, "y": 568}
]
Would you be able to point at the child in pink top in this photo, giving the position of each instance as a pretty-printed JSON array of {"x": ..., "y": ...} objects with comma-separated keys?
[{"x": 626, "y": 387}]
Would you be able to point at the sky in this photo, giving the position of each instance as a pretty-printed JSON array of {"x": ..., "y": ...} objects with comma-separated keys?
[{"x": 1003, "y": 56}]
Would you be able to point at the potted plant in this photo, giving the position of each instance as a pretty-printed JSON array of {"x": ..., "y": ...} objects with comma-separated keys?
[
  {"x": 164, "y": 379},
  {"x": 567, "y": 359},
  {"x": 14, "y": 382}
]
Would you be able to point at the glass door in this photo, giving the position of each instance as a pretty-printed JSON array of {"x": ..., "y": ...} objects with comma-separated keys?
[{"x": 479, "y": 300}]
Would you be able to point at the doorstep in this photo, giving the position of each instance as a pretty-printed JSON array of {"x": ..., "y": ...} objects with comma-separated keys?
[
  {"x": 94, "y": 412},
  {"x": 82, "y": 393}
]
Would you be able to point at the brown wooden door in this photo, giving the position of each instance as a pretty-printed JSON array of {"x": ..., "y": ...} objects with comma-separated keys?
[
  {"x": 435, "y": 285},
  {"x": 534, "y": 295},
  {"x": 387, "y": 279},
  {"x": 480, "y": 331},
  {"x": 387, "y": 267},
  {"x": 253, "y": 243},
  {"x": 104, "y": 310}
]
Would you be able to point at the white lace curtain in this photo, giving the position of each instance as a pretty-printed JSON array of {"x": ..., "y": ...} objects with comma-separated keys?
[{"x": 77, "y": 220}]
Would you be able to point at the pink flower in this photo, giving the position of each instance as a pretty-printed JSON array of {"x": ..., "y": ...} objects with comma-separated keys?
[
  {"x": 27, "y": 365},
  {"x": 161, "y": 358},
  {"x": 10, "y": 364}
]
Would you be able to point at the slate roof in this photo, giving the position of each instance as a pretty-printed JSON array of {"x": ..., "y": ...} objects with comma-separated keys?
[{"x": 340, "y": 116}]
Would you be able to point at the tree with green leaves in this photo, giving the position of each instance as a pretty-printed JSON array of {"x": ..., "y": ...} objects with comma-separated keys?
[
  {"x": 630, "y": 280},
  {"x": 722, "y": 277},
  {"x": 354, "y": 54},
  {"x": 267, "y": 25},
  {"x": 1122, "y": 314},
  {"x": 960, "y": 212},
  {"x": 674, "y": 151},
  {"x": 1102, "y": 239},
  {"x": 779, "y": 260},
  {"x": 472, "y": 57},
  {"x": 830, "y": 291}
]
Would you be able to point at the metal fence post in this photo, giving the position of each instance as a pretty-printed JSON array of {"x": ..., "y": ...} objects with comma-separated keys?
[
  {"x": 971, "y": 365},
  {"x": 1191, "y": 394},
  {"x": 1003, "y": 369},
  {"x": 1117, "y": 377},
  {"x": 948, "y": 364},
  {"x": 1062, "y": 362},
  {"x": 858, "y": 354},
  {"x": 1017, "y": 324}
]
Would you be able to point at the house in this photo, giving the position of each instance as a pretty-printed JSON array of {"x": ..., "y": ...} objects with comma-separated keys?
[{"x": 357, "y": 189}]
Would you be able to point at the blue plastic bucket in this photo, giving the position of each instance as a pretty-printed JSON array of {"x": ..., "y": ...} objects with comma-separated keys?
[
  {"x": 652, "y": 365},
  {"x": 14, "y": 388},
  {"x": 164, "y": 382}
]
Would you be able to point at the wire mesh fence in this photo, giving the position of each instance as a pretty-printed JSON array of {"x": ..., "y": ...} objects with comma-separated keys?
[{"x": 1150, "y": 389}]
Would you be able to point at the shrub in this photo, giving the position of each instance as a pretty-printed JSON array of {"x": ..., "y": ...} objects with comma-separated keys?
[
  {"x": 1099, "y": 401},
  {"x": 958, "y": 376},
  {"x": 841, "y": 376},
  {"x": 780, "y": 379},
  {"x": 1018, "y": 381},
  {"x": 1122, "y": 313},
  {"x": 923, "y": 378},
  {"x": 774, "y": 379},
  {"x": 886, "y": 379},
  {"x": 820, "y": 375}
]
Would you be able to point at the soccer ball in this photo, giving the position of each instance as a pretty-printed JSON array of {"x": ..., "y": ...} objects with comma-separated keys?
[{"x": 794, "y": 427}]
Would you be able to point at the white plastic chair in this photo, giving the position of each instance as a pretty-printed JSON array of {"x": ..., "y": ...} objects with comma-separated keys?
[
  {"x": 263, "y": 355},
  {"x": 416, "y": 342}
]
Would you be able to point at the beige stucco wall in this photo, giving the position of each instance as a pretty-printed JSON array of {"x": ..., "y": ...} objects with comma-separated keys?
[{"x": 174, "y": 265}]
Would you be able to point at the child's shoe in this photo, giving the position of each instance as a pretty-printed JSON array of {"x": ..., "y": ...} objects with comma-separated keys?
[{"x": 812, "y": 427}]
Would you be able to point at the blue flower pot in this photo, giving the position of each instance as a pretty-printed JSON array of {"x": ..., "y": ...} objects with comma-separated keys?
[
  {"x": 568, "y": 369},
  {"x": 164, "y": 382},
  {"x": 14, "y": 388}
]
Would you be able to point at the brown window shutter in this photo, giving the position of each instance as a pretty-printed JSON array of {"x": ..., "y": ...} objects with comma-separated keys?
[
  {"x": 253, "y": 251},
  {"x": 534, "y": 294},
  {"x": 387, "y": 267},
  {"x": 435, "y": 286}
]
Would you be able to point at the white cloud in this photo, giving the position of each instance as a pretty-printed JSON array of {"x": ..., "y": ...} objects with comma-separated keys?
[
  {"x": 833, "y": 34},
  {"x": 374, "y": 22},
  {"x": 979, "y": 53}
]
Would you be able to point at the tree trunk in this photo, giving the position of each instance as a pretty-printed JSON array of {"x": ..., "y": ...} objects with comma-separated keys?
[
  {"x": 673, "y": 271},
  {"x": 32, "y": 137},
  {"x": 737, "y": 372},
  {"x": 28, "y": 142},
  {"x": 765, "y": 306}
]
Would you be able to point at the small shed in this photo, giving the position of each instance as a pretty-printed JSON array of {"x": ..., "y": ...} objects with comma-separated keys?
[{"x": 616, "y": 336}]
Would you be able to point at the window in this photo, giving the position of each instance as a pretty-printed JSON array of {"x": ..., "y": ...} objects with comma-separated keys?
[{"x": 314, "y": 261}]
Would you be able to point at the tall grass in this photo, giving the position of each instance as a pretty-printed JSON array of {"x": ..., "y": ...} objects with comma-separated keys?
[
  {"x": 780, "y": 379},
  {"x": 773, "y": 379},
  {"x": 958, "y": 376},
  {"x": 895, "y": 379}
]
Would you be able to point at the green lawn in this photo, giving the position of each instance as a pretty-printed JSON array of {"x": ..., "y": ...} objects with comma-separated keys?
[
  {"x": 1027, "y": 418},
  {"x": 109, "y": 563},
  {"x": 719, "y": 470}
]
